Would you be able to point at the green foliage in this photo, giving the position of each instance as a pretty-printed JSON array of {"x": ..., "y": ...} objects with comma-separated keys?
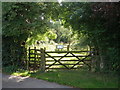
[
  {"x": 63, "y": 34},
  {"x": 96, "y": 26},
  {"x": 28, "y": 17},
  {"x": 51, "y": 35},
  {"x": 99, "y": 25},
  {"x": 21, "y": 20},
  {"x": 10, "y": 69}
]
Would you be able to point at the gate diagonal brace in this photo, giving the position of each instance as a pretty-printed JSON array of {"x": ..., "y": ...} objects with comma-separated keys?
[
  {"x": 52, "y": 58},
  {"x": 85, "y": 62},
  {"x": 57, "y": 60},
  {"x": 80, "y": 60},
  {"x": 61, "y": 58}
]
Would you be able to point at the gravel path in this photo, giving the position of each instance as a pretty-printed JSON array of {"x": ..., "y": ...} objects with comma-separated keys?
[{"x": 10, "y": 81}]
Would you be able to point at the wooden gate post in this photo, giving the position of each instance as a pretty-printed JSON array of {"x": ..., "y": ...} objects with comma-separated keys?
[
  {"x": 93, "y": 61},
  {"x": 42, "y": 63},
  {"x": 25, "y": 58},
  {"x": 28, "y": 62},
  {"x": 35, "y": 64},
  {"x": 68, "y": 46}
]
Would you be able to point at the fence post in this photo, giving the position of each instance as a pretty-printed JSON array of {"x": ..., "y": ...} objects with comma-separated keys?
[
  {"x": 25, "y": 58},
  {"x": 93, "y": 61},
  {"x": 35, "y": 52},
  {"x": 68, "y": 46},
  {"x": 42, "y": 63},
  {"x": 28, "y": 62}
]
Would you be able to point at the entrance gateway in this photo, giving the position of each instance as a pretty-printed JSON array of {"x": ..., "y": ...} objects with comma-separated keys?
[{"x": 40, "y": 59}]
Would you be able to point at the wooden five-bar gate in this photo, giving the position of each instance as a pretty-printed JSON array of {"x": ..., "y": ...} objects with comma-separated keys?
[{"x": 40, "y": 59}]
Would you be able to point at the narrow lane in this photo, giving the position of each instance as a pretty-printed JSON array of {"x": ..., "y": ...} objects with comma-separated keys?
[{"x": 10, "y": 81}]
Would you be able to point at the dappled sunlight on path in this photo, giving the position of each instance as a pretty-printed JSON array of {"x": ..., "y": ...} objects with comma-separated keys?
[
  {"x": 11, "y": 81},
  {"x": 17, "y": 78}
]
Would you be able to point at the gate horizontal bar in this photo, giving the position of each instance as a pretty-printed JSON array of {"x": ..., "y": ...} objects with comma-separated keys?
[
  {"x": 68, "y": 56},
  {"x": 63, "y": 68},
  {"x": 65, "y": 60},
  {"x": 64, "y": 64},
  {"x": 34, "y": 57},
  {"x": 67, "y": 51}
]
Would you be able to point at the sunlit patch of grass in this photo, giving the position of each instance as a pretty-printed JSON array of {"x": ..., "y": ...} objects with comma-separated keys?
[{"x": 21, "y": 73}]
